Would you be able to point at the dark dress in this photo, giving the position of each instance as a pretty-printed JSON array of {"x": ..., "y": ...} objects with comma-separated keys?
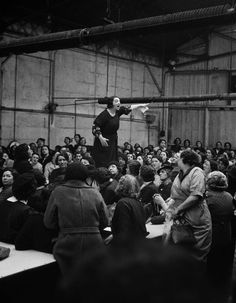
[{"x": 107, "y": 125}]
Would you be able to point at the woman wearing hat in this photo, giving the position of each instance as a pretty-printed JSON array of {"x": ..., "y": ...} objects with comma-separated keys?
[
  {"x": 105, "y": 129},
  {"x": 78, "y": 211},
  {"x": 220, "y": 203}
]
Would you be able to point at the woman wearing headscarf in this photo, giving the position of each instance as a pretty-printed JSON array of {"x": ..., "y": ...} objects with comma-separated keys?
[{"x": 78, "y": 211}]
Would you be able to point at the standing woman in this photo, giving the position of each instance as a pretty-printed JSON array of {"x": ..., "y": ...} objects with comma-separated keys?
[
  {"x": 187, "y": 202},
  {"x": 105, "y": 129},
  {"x": 78, "y": 211}
]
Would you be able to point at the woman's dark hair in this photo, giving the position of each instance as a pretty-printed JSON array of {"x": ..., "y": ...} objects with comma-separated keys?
[
  {"x": 213, "y": 165},
  {"x": 190, "y": 157},
  {"x": 76, "y": 171},
  {"x": 224, "y": 161},
  {"x": 218, "y": 142},
  {"x": 198, "y": 141},
  {"x": 212, "y": 152},
  {"x": 134, "y": 167},
  {"x": 65, "y": 155},
  {"x": 39, "y": 177},
  {"x": 14, "y": 173},
  {"x": 110, "y": 101},
  {"x": 21, "y": 152},
  {"x": 187, "y": 141},
  {"x": 177, "y": 139},
  {"x": 24, "y": 186},
  {"x": 147, "y": 173},
  {"x": 161, "y": 140},
  {"x": 49, "y": 151},
  {"x": 228, "y": 143},
  {"x": 89, "y": 159}
]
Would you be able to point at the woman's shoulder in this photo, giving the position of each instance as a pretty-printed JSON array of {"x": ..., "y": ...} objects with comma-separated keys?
[{"x": 197, "y": 171}]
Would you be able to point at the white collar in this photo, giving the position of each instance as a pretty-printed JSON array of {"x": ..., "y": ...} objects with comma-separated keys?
[{"x": 13, "y": 199}]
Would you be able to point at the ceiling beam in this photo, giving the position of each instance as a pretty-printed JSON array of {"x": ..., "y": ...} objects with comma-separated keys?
[{"x": 74, "y": 38}]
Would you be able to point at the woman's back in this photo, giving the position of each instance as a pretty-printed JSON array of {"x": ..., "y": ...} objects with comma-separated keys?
[{"x": 77, "y": 205}]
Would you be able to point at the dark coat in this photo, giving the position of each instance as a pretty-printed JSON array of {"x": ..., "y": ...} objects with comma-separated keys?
[
  {"x": 78, "y": 211},
  {"x": 146, "y": 199},
  {"x": 128, "y": 222},
  {"x": 108, "y": 193},
  {"x": 220, "y": 204},
  {"x": 34, "y": 234},
  {"x": 12, "y": 217}
]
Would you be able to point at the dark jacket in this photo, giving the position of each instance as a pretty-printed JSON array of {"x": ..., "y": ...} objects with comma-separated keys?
[
  {"x": 34, "y": 234},
  {"x": 128, "y": 222},
  {"x": 78, "y": 211},
  {"x": 107, "y": 190},
  {"x": 220, "y": 204},
  {"x": 145, "y": 196},
  {"x": 12, "y": 217}
]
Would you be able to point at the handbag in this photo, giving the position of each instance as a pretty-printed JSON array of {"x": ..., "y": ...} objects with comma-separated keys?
[
  {"x": 4, "y": 252},
  {"x": 182, "y": 233}
]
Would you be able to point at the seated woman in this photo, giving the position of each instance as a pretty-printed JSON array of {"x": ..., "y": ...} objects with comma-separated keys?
[
  {"x": 164, "y": 190},
  {"x": 58, "y": 174},
  {"x": 7, "y": 161},
  {"x": 7, "y": 178},
  {"x": 209, "y": 166},
  {"x": 147, "y": 190},
  {"x": 115, "y": 170},
  {"x": 128, "y": 222},
  {"x": 34, "y": 234},
  {"x": 14, "y": 211}
]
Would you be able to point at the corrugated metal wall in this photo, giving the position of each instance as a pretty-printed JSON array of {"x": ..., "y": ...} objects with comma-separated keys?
[
  {"x": 30, "y": 82},
  {"x": 206, "y": 121}
]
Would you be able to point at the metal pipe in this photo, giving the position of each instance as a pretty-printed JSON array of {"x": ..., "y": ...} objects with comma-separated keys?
[
  {"x": 174, "y": 99},
  {"x": 15, "y": 99},
  {"x": 74, "y": 38}
]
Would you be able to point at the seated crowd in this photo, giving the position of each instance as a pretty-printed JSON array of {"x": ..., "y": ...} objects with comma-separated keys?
[{"x": 36, "y": 181}]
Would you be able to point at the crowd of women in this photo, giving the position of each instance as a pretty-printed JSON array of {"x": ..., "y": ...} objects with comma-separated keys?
[{"x": 60, "y": 201}]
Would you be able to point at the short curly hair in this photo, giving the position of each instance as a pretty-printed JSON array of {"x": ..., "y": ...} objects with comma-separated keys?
[
  {"x": 128, "y": 187},
  {"x": 190, "y": 157}
]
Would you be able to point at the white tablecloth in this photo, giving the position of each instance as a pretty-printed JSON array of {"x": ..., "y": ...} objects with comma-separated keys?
[{"x": 19, "y": 261}]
